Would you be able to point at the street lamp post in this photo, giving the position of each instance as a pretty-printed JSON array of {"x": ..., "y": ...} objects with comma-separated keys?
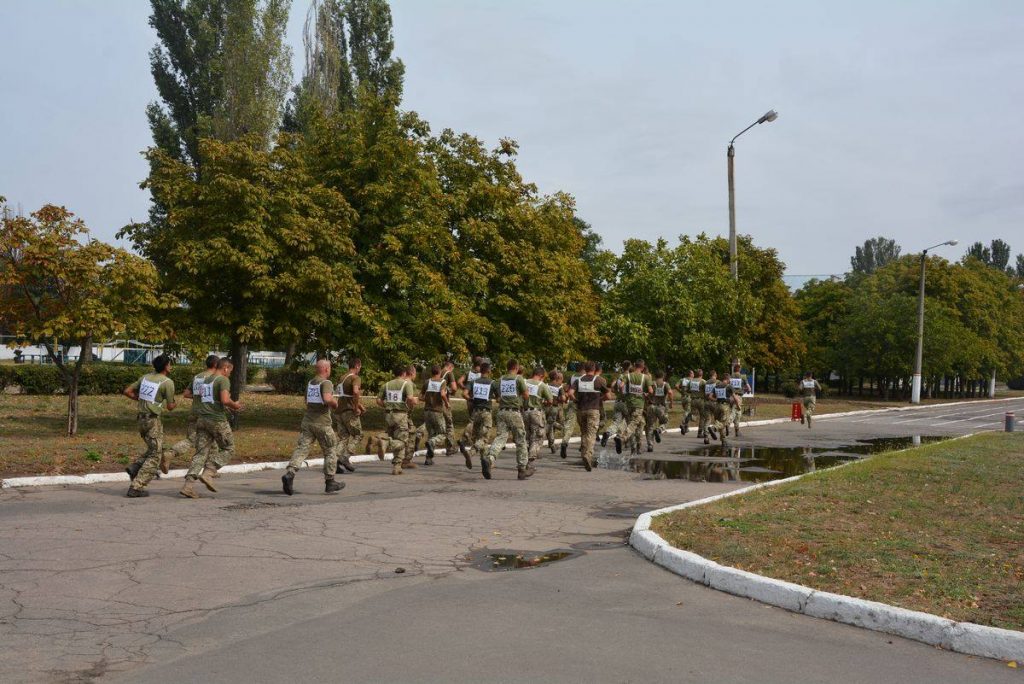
[
  {"x": 915, "y": 390},
  {"x": 770, "y": 115}
]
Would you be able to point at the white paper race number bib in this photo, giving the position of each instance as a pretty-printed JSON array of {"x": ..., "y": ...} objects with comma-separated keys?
[
  {"x": 482, "y": 391},
  {"x": 534, "y": 389},
  {"x": 636, "y": 390},
  {"x": 197, "y": 385},
  {"x": 808, "y": 384},
  {"x": 720, "y": 392},
  {"x": 659, "y": 391},
  {"x": 709, "y": 389},
  {"x": 393, "y": 396},
  {"x": 585, "y": 386},
  {"x": 471, "y": 376},
  {"x": 206, "y": 393},
  {"x": 737, "y": 383},
  {"x": 695, "y": 387},
  {"x": 434, "y": 386},
  {"x": 313, "y": 394},
  {"x": 508, "y": 388},
  {"x": 147, "y": 390},
  {"x": 555, "y": 391}
]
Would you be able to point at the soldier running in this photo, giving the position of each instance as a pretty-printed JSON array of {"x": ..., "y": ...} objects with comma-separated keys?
[
  {"x": 316, "y": 427},
  {"x": 512, "y": 393},
  {"x": 154, "y": 393}
]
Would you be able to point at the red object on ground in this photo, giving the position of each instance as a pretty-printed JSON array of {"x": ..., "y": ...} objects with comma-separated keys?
[{"x": 798, "y": 411}]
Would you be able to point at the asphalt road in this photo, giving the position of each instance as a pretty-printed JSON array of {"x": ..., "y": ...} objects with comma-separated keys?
[{"x": 249, "y": 585}]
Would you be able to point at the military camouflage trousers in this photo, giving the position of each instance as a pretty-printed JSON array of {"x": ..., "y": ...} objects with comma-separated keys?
[
  {"x": 321, "y": 433},
  {"x": 437, "y": 429},
  {"x": 509, "y": 424},
  {"x": 554, "y": 419},
  {"x": 350, "y": 432},
  {"x": 475, "y": 435},
  {"x": 215, "y": 446},
  {"x": 589, "y": 421},
  {"x": 189, "y": 443},
  {"x": 397, "y": 436},
  {"x": 152, "y": 432},
  {"x": 635, "y": 425},
  {"x": 534, "y": 424},
  {"x": 656, "y": 418}
]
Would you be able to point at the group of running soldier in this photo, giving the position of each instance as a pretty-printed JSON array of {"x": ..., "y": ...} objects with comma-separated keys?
[{"x": 526, "y": 408}]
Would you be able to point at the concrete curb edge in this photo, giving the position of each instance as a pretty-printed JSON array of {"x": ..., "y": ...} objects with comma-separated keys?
[{"x": 961, "y": 637}]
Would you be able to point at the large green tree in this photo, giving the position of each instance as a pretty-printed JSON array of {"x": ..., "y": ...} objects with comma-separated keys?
[
  {"x": 59, "y": 287},
  {"x": 273, "y": 259}
]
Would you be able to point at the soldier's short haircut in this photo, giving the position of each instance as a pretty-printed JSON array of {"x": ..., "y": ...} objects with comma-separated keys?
[
  {"x": 477, "y": 360},
  {"x": 435, "y": 369},
  {"x": 161, "y": 362},
  {"x": 555, "y": 374},
  {"x": 598, "y": 366},
  {"x": 626, "y": 365},
  {"x": 485, "y": 367},
  {"x": 411, "y": 369},
  {"x": 660, "y": 375},
  {"x": 211, "y": 361},
  {"x": 538, "y": 370},
  {"x": 639, "y": 363},
  {"x": 400, "y": 369},
  {"x": 224, "y": 362},
  {"x": 512, "y": 364},
  {"x": 808, "y": 374},
  {"x": 355, "y": 362}
]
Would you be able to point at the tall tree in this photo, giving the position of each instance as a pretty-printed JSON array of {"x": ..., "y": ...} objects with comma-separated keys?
[
  {"x": 1020, "y": 266},
  {"x": 221, "y": 68},
  {"x": 275, "y": 243},
  {"x": 1000, "y": 254},
  {"x": 58, "y": 290},
  {"x": 875, "y": 254},
  {"x": 349, "y": 48},
  {"x": 980, "y": 252}
]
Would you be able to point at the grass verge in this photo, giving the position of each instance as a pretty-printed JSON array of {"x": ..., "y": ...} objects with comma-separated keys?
[{"x": 938, "y": 529}]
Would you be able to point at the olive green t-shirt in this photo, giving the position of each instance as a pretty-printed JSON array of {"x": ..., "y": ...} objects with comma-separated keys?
[
  {"x": 346, "y": 389},
  {"x": 433, "y": 391},
  {"x": 316, "y": 410},
  {"x": 636, "y": 387},
  {"x": 197, "y": 390},
  {"x": 212, "y": 408},
  {"x": 394, "y": 394},
  {"x": 660, "y": 392},
  {"x": 155, "y": 391},
  {"x": 510, "y": 390},
  {"x": 482, "y": 391},
  {"x": 539, "y": 393}
]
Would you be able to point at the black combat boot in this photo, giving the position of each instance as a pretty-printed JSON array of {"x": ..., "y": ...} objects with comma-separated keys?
[
  {"x": 331, "y": 485},
  {"x": 287, "y": 480}
]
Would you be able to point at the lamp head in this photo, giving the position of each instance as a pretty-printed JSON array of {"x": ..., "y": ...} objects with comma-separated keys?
[
  {"x": 952, "y": 243},
  {"x": 770, "y": 115}
]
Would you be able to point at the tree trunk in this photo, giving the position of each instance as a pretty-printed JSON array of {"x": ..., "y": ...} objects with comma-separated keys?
[
  {"x": 240, "y": 358},
  {"x": 86, "y": 354},
  {"x": 289, "y": 354},
  {"x": 73, "y": 402}
]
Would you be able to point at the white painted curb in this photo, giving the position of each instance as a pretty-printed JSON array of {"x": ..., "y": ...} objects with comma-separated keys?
[{"x": 962, "y": 637}]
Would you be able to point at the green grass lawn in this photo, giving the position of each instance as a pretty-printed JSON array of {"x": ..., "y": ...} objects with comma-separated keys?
[{"x": 939, "y": 529}]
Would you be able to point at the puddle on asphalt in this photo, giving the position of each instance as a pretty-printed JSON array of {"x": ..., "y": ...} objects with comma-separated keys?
[
  {"x": 598, "y": 545},
  {"x": 489, "y": 560},
  {"x": 715, "y": 463},
  {"x": 255, "y": 505}
]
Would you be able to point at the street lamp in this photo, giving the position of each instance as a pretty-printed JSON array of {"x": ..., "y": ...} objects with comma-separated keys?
[
  {"x": 770, "y": 115},
  {"x": 915, "y": 391}
]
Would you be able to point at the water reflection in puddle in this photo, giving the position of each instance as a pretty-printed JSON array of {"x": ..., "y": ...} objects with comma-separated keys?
[
  {"x": 489, "y": 560},
  {"x": 752, "y": 464}
]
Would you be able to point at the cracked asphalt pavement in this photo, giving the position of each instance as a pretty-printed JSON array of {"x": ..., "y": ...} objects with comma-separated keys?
[{"x": 250, "y": 585}]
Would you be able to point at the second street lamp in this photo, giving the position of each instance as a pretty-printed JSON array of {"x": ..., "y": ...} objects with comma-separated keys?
[
  {"x": 770, "y": 115},
  {"x": 915, "y": 388}
]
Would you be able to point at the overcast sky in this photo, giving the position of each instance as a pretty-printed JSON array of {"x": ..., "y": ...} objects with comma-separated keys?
[{"x": 895, "y": 118}]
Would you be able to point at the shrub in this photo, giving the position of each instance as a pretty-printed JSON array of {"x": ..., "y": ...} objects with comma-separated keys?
[
  {"x": 789, "y": 389},
  {"x": 96, "y": 378}
]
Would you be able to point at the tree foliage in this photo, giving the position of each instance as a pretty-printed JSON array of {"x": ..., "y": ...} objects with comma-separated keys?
[
  {"x": 876, "y": 253},
  {"x": 58, "y": 287}
]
